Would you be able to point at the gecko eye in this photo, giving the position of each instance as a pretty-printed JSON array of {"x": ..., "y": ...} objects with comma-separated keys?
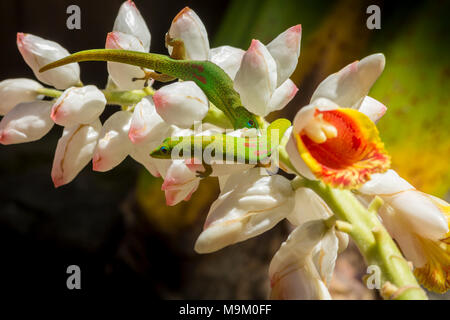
[
  {"x": 164, "y": 150},
  {"x": 250, "y": 123}
]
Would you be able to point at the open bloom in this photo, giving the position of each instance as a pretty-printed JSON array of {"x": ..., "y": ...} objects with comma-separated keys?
[
  {"x": 248, "y": 205},
  {"x": 331, "y": 139},
  {"x": 181, "y": 103},
  {"x": 74, "y": 151},
  {"x": 124, "y": 75},
  {"x": 37, "y": 52},
  {"x": 187, "y": 27},
  {"x": 15, "y": 91},
  {"x": 420, "y": 225},
  {"x": 26, "y": 122},
  {"x": 78, "y": 105},
  {"x": 130, "y": 21}
]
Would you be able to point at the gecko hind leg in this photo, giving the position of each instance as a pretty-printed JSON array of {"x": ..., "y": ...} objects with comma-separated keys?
[
  {"x": 154, "y": 75},
  {"x": 178, "y": 48}
]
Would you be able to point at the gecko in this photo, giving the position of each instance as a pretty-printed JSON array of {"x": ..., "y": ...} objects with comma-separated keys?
[
  {"x": 221, "y": 148},
  {"x": 213, "y": 80}
]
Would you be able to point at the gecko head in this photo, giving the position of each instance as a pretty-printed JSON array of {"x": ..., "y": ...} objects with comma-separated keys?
[
  {"x": 163, "y": 151},
  {"x": 245, "y": 119}
]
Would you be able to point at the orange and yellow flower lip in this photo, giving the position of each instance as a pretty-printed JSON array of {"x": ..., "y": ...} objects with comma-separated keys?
[{"x": 347, "y": 160}]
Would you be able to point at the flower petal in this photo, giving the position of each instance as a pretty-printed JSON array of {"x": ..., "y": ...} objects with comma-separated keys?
[
  {"x": 248, "y": 205},
  {"x": 372, "y": 108},
  {"x": 349, "y": 86},
  {"x": 256, "y": 79},
  {"x": 15, "y": 91},
  {"x": 179, "y": 183},
  {"x": 37, "y": 52},
  {"x": 282, "y": 95},
  {"x": 181, "y": 103},
  {"x": 188, "y": 27},
  {"x": 129, "y": 20},
  {"x": 285, "y": 49},
  {"x": 228, "y": 58},
  {"x": 114, "y": 144},
  {"x": 78, "y": 105},
  {"x": 74, "y": 151},
  {"x": 26, "y": 122},
  {"x": 123, "y": 74}
]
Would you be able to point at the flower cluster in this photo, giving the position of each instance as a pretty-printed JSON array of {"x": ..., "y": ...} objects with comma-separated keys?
[{"x": 333, "y": 139}]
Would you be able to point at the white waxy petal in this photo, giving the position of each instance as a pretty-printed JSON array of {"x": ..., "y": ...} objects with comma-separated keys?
[
  {"x": 372, "y": 108},
  {"x": 78, "y": 105},
  {"x": 15, "y": 91},
  {"x": 141, "y": 154},
  {"x": 113, "y": 145},
  {"x": 179, "y": 183},
  {"x": 28, "y": 121},
  {"x": 285, "y": 49},
  {"x": 248, "y": 205},
  {"x": 256, "y": 79},
  {"x": 349, "y": 86},
  {"x": 188, "y": 27},
  {"x": 129, "y": 20},
  {"x": 147, "y": 127},
  {"x": 386, "y": 183},
  {"x": 308, "y": 206},
  {"x": 181, "y": 103},
  {"x": 282, "y": 95},
  {"x": 38, "y": 52},
  {"x": 74, "y": 151},
  {"x": 296, "y": 160},
  {"x": 228, "y": 58},
  {"x": 123, "y": 74}
]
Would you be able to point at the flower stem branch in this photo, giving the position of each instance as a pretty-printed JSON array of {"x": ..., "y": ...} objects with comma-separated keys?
[{"x": 371, "y": 237}]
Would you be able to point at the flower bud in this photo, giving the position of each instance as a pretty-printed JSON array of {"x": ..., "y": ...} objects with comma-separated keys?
[
  {"x": 15, "y": 91},
  {"x": 38, "y": 52},
  {"x": 181, "y": 103},
  {"x": 78, "y": 105},
  {"x": 123, "y": 74},
  {"x": 74, "y": 151},
  {"x": 285, "y": 49},
  {"x": 256, "y": 79},
  {"x": 129, "y": 20},
  {"x": 113, "y": 145},
  {"x": 228, "y": 58},
  {"x": 188, "y": 27},
  {"x": 179, "y": 183},
  {"x": 28, "y": 121}
]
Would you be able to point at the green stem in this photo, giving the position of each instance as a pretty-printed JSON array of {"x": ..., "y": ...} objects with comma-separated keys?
[
  {"x": 217, "y": 118},
  {"x": 372, "y": 239}
]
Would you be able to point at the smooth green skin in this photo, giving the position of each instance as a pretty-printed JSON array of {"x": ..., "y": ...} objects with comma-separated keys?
[{"x": 214, "y": 82}]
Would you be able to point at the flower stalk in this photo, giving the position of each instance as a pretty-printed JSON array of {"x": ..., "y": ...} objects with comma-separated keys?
[{"x": 371, "y": 237}]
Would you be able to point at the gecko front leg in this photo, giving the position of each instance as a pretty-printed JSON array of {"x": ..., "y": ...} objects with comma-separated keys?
[
  {"x": 154, "y": 75},
  {"x": 178, "y": 48},
  {"x": 206, "y": 173}
]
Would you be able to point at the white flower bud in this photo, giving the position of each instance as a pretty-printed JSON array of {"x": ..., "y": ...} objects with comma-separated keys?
[
  {"x": 256, "y": 79},
  {"x": 15, "y": 91},
  {"x": 181, "y": 103},
  {"x": 248, "y": 205},
  {"x": 74, "y": 151},
  {"x": 285, "y": 49},
  {"x": 228, "y": 58},
  {"x": 179, "y": 183},
  {"x": 188, "y": 27},
  {"x": 123, "y": 74},
  {"x": 38, "y": 52},
  {"x": 129, "y": 20},
  {"x": 28, "y": 121},
  {"x": 114, "y": 144},
  {"x": 78, "y": 105}
]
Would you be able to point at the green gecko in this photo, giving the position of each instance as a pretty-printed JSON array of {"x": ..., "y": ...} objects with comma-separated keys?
[
  {"x": 222, "y": 148},
  {"x": 215, "y": 83}
]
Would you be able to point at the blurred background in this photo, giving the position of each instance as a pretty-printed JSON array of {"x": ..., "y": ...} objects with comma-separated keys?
[{"x": 116, "y": 225}]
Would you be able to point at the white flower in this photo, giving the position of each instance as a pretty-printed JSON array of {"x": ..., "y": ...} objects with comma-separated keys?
[
  {"x": 324, "y": 119},
  {"x": 15, "y": 91},
  {"x": 228, "y": 58},
  {"x": 28, "y": 121},
  {"x": 114, "y": 144},
  {"x": 123, "y": 74},
  {"x": 78, "y": 105},
  {"x": 304, "y": 264},
  {"x": 179, "y": 183},
  {"x": 37, "y": 52},
  {"x": 419, "y": 223},
  {"x": 130, "y": 21},
  {"x": 248, "y": 205},
  {"x": 74, "y": 151},
  {"x": 181, "y": 103},
  {"x": 188, "y": 27}
]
